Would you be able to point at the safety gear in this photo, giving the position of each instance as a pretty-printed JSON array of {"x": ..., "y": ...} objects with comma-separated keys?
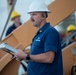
[
  {"x": 71, "y": 28},
  {"x": 14, "y": 14},
  {"x": 38, "y": 6}
]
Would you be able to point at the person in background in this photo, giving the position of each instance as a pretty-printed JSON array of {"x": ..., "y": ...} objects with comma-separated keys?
[
  {"x": 15, "y": 17},
  {"x": 70, "y": 30},
  {"x": 45, "y": 56}
]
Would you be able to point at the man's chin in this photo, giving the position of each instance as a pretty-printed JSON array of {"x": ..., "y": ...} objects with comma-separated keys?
[{"x": 34, "y": 25}]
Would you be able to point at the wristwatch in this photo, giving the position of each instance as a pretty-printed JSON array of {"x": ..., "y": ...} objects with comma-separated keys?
[{"x": 28, "y": 57}]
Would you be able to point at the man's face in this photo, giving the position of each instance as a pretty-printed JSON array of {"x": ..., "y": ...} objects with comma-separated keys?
[
  {"x": 70, "y": 32},
  {"x": 17, "y": 19},
  {"x": 36, "y": 19}
]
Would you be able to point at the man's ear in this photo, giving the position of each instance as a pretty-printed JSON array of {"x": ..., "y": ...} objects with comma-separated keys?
[{"x": 43, "y": 15}]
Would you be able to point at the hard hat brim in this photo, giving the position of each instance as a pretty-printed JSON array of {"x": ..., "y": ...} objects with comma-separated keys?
[
  {"x": 15, "y": 17},
  {"x": 38, "y": 11}
]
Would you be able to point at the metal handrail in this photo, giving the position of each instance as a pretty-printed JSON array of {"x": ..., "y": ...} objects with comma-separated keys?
[{"x": 68, "y": 38}]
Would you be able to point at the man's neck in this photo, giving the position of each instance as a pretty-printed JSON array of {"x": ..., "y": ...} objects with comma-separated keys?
[
  {"x": 17, "y": 24},
  {"x": 42, "y": 24}
]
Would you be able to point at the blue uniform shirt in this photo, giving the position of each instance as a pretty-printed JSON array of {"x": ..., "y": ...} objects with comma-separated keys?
[
  {"x": 46, "y": 39},
  {"x": 11, "y": 28}
]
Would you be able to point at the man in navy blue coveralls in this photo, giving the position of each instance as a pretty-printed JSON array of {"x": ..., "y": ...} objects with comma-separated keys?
[{"x": 45, "y": 53}]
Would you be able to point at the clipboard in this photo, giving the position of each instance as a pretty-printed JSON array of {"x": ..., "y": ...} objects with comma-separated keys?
[{"x": 7, "y": 48}]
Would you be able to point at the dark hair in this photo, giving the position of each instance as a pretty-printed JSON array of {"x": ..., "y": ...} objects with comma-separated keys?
[{"x": 45, "y": 14}]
